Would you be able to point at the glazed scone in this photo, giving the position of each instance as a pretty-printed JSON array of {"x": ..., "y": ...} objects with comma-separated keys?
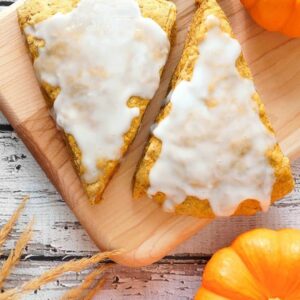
[
  {"x": 99, "y": 63},
  {"x": 213, "y": 151}
]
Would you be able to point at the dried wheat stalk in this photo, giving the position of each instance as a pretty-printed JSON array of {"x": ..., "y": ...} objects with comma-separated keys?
[
  {"x": 78, "y": 292},
  {"x": 6, "y": 229},
  {"x": 71, "y": 266},
  {"x": 91, "y": 294},
  {"x": 53, "y": 274},
  {"x": 16, "y": 253}
]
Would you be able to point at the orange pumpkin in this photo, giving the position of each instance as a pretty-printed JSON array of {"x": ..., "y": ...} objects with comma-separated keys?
[
  {"x": 261, "y": 264},
  {"x": 276, "y": 15}
]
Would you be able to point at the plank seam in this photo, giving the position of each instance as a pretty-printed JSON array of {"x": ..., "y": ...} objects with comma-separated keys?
[
  {"x": 6, "y": 3},
  {"x": 166, "y": 260},
  {"x": 5, "y": 127}
]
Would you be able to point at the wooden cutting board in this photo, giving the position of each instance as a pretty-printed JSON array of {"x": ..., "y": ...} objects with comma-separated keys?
[{"x": 141, "y": 227}]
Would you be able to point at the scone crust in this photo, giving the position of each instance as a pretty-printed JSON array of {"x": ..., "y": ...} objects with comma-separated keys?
[
  {"x": 34, "y": 11},
  {"x": 193, "y": 206}
]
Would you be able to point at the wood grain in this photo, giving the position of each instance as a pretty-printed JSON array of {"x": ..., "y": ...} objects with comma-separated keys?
[
  {"x": 167, "y": 280},
  {"x": 141, "y": 227},
  {"x": 58, "y": 236},
  {"x": 58, "y": 233}
]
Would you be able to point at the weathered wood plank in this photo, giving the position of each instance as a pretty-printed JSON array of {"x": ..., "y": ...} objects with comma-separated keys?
[
  {"x": 57, "y": 233},
  {"x": 168, "y": 279},
  {"x": 3, "y": 120},
  {"x": 4, "y": 4}
]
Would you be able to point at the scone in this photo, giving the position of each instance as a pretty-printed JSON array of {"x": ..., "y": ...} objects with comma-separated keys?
[
  {"x": 99, "y": 63},
  {"x": 213, "y": 151}
]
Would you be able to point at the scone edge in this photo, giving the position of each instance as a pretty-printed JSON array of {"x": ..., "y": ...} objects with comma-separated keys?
[
  {"x": 193, "y": 206},
  {"x": 34, "y": 11}
]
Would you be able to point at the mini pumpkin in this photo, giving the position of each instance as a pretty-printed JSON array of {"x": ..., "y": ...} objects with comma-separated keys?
[
  {"x": 276, "y": 15},
  {"x": 261, "y": 264}
]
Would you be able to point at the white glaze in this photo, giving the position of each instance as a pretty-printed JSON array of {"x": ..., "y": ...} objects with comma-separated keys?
[
  {"x": 213, "y": 141},
  {"x": 100, "y": 55}
]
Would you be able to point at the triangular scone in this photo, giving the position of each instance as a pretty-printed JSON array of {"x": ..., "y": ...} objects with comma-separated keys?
[
  {"x": 213, "y": 151},
  {"x": 128, "y": 45}
]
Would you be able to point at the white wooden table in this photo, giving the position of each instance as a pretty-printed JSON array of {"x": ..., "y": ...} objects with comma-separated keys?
[{"x": 58, "y": 236}]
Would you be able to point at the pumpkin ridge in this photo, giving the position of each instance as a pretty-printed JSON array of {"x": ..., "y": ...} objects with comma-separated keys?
[
  {"x": 266, "y": 291},
  {"x": 259, "y": 19},
  {"x": 292, "y": 290},
  {"x": 290, "y": 16},
  {"x": 222, "y": 293},
  {"x": 204, "y": 293},
  {"x": 276, "y": 15},
  {"x": 261, "y": 264}
]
